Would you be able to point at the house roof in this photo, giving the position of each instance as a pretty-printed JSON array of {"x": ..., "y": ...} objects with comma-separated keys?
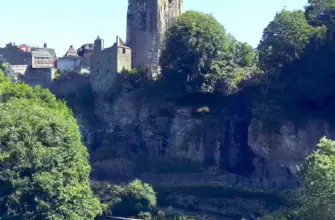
[
  {"x": 52, "y": 52},
  {"x": 120, "y": 42},
  {"x": 41, "y": 52},
  {"x": 71, "y": 52}
]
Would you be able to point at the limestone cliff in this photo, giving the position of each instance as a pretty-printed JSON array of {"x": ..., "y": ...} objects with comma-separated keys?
[
  {"x": 147, "y": 20},
  {"x": 172, "y": 145}
]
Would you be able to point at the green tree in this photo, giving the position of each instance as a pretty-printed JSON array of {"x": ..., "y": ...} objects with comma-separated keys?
[
  {"x": 198, "y": 48},
  {"x": 128, "y": 200},
  {"x": 193, "y": 45},
  {"x": 7, "y": 70},
  {"x": 285, "y": 39},
  {"x": 239, "y": 53},
  {"x": 320, "y": 12},
  {"x": 318, "y": 177},
  {"x": 2, "y": 76},
  {"x": 44, "y": 168}
]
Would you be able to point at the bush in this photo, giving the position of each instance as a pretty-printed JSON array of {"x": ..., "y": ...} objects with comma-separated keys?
[
  {"x": 44, "y": 166},
  {"x": 44, "y": 171},
  {"x": 318, "y": 175},
  {"x": 128, "y": 200}
]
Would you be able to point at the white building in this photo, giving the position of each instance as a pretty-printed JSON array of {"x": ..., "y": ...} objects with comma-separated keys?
[
  {"x": 19, "y": 69},
  {"x": 71, "y": 62}
]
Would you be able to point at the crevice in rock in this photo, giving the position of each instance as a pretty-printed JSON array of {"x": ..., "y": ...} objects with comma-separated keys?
[{"x": 236, "y": 154}]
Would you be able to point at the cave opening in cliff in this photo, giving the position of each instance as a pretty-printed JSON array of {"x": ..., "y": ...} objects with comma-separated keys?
[{"x": 236, "y": 155}]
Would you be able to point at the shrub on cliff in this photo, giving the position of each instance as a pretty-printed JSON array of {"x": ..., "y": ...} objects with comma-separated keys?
[
  {"x": 44, "y": 168},
  {"x": 198, "y": 48}
]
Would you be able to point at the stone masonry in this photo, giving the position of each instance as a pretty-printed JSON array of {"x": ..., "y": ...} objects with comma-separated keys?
[
  {"x": 107, "y": 62},
  {"x": 147, "y": 20}
]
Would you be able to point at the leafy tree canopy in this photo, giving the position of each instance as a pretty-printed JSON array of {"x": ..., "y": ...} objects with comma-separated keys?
[
  {"x": 6, "y": 69},
  {"x": 128, "y": 200},
  {"x": 319, "y": 12},
  {"x": 285, "y": 39},
  {"x": 44, "y": 168},
  {"x": 198, "y": 48},
  {"x": 319, "y": 182}
]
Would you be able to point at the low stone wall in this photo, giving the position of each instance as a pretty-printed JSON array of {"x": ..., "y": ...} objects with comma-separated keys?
[
  {"x": 201, "y": 179},
  {"x": 69, "y": 83},
  {"x": 39, "y": 76},
  {"x": 115, "y": 218}
]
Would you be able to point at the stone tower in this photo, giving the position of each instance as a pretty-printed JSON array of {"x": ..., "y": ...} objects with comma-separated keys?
[
  {"x": 147, "y": 20},
  {"x": 98, "y": 44}
]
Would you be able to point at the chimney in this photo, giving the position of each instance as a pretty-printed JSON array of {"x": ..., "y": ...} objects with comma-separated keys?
[
  {"x": 45, "y": 45},
  {"x": 117, "y": 40}
]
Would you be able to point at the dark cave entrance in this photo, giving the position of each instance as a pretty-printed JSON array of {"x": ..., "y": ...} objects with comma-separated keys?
[{"x": 236, "y": 155}]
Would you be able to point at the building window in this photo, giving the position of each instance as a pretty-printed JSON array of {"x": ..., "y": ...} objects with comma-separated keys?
[{"x": 124, "y": 50}]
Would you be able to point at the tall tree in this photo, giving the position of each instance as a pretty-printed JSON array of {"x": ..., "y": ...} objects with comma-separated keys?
[
  {"x": 285, "y": 39},
  {"x": 320, "y": 12},
  {"x": 198, "y": 48},
  {"x": 318, "y": 192},
  {"x": 44, "y": 168}
]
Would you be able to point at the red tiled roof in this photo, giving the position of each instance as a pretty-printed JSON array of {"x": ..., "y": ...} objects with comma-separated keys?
[{"x": 71, "y": 52}]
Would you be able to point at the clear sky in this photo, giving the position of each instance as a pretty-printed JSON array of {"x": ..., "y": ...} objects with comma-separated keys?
[{"x": 62, "y": 23}]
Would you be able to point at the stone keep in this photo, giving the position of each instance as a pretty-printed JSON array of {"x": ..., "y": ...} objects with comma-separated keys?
[{"x": 147, "y": 20}]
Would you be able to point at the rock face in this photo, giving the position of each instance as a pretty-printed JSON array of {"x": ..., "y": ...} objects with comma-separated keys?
[
  {"x": 288, "y": 145},
  {"x": 198, "y": 143},
  {"x": 171, "y": 145},
  {"x": 147, "y": 21}
]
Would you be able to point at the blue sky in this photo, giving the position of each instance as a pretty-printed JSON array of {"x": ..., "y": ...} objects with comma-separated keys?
[{"x": 63, "y": 23}]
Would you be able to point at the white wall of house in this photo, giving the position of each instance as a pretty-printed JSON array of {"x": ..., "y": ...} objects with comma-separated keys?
[
  {"x": 68, "y": 64},
  {"x": 19, "y": 69}
]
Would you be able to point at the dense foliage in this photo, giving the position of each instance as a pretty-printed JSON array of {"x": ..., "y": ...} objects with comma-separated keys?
[
  {"x": 318, "y": 190},
  {"x": 297, "y": 57},
  {"x": 285, "y": 39},
  {"x": 208, "y": 60},
  {"x": 320, "y": 12},
  {"x": 6, "y": 69},
  {"x": 128, "y": 200},
  {"x": 44, "y": 169},
  {"x": 316, "y": 197}
]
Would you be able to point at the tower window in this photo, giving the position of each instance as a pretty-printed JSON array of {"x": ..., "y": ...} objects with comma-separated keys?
[{"x": 124, "y": 50}]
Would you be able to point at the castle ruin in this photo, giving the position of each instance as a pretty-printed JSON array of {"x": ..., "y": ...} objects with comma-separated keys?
[
  {"x": 147, "y": 20},
  {"x": 106, "y": 63}
]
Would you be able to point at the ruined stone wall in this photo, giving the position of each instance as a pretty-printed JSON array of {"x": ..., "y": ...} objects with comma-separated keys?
[
  {"x": 69, "y": 83},
  {"x": 103, "y": 69},
  {"x": 123, "y": 59},
  {"x": 40, "y": 76},
  {"x": 147, "y": 20}
]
